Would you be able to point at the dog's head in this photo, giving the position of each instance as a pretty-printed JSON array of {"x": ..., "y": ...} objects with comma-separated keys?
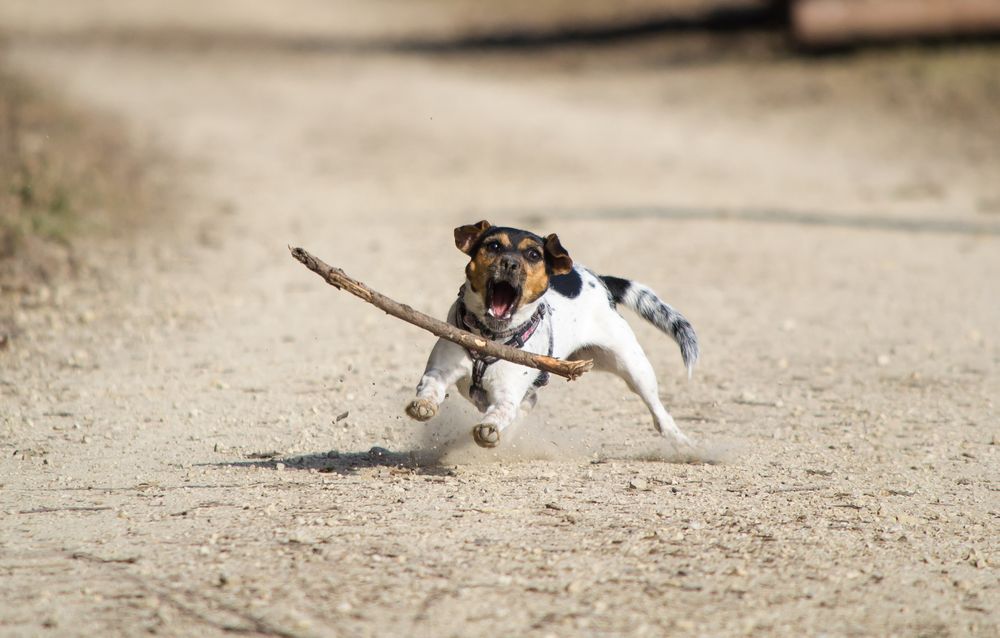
[{"x": 509, "y": 268}]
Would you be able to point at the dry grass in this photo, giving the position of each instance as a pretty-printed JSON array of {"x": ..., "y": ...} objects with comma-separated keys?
[{"x": 62, "y": 172}]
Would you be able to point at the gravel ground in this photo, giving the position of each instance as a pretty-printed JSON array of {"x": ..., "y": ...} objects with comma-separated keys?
[{"x": 197, "y": 435}]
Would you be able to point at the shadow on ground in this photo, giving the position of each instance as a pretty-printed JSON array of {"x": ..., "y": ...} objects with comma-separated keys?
[
  {"x": 346, "y": 463},
  {"x": 442, "y": 462}
]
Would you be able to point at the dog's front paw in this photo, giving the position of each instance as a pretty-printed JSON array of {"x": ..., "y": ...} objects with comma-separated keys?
[
  {"x": 486, "y": 435},
  {"x": 422, "y": 409}
]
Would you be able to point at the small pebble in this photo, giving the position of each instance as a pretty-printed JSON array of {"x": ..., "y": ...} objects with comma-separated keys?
[{"x": 638, "y": 484}]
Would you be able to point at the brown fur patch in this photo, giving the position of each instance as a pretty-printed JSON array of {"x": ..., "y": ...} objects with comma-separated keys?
[
  {"x": 466, "y": 236},
  {"x": 536, "y": 280},
  {"x": 527, "y": 243},
  {"x": 561, "y": 262},
  {"x": 478, "y": 273},
  {"x": 501, "y": 237},
  {"x": 478, "y": 270}
]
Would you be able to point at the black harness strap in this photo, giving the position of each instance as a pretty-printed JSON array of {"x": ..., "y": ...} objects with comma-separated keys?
[{"x": 515, "y": 337}]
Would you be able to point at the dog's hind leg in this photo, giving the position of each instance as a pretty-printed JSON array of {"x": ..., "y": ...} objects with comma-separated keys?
[
  {"x": 529, "y": 401},
  {"x": 620, "y": 353},
  {"x": 638, "y": 373}
]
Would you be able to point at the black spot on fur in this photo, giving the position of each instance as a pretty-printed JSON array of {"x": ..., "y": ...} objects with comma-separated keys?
[
  {"x": 568, "y": 285},
  {"x": 617, "y": 287}
]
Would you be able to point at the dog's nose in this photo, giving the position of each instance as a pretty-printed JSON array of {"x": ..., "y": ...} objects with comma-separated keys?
[{"x": 510, "y": 265}]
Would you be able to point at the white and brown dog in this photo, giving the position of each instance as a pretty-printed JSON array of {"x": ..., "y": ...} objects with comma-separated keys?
[{"x": 523, "y": 290}]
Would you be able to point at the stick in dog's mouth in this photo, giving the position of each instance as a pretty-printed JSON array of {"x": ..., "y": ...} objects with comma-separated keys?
[
  {"x": 501, "y": 299},
  {"x": 338, "y": 279}
]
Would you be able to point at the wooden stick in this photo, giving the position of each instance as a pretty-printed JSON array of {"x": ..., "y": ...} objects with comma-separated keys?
[{"x": 339, "y": 280}]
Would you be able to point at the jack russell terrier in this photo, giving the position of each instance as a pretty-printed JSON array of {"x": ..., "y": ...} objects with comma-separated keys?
[{"x": 524, "y": 290}]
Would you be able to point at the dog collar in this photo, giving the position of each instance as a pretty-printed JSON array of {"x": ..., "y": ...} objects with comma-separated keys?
[
  {"x": 516, "y": 334},
  {"x": 515, "y": 337}
]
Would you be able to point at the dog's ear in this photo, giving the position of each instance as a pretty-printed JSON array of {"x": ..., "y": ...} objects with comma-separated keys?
[
  {"x": 556, "y": 256},
  {"x": 467, "y": 236}
]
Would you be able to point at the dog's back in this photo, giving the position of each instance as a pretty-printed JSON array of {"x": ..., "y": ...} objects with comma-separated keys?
[{"x": 582, "y": 297}]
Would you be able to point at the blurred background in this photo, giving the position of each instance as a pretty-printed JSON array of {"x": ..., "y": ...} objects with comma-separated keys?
[{"x": 701, "y": 107}]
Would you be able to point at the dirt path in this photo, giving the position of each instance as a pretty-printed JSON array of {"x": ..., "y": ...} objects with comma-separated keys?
[{"x": 186, "y": 431}]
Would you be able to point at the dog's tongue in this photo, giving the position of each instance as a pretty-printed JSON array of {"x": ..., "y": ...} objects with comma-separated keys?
[{"x": 503, "y": 299}]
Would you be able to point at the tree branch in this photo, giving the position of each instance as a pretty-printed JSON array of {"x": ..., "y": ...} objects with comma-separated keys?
[{"x": 338, "y": 279}]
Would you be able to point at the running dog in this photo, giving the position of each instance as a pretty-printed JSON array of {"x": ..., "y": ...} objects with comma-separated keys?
[{"x": 524, "y": 290}]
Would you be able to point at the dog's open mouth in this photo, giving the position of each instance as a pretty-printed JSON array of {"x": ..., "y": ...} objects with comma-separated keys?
[{"x": 501, "y": 299}]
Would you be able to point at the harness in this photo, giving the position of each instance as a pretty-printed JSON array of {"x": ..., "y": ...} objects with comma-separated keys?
[{"x": 515, "y": 337}]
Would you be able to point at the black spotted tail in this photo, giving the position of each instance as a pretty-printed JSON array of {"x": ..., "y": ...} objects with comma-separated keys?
[{"x": 644, "y": 301}]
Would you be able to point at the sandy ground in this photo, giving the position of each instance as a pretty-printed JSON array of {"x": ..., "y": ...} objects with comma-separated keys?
[{"x": 187, "y": 426}]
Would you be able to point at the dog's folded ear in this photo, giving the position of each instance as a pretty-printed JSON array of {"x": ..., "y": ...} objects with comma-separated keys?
[
  {"x": 467, "y": 236},
  {"x": 556, "y": 256}
]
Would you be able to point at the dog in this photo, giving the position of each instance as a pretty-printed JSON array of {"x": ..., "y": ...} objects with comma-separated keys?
[{"x": 524, "y": 290}]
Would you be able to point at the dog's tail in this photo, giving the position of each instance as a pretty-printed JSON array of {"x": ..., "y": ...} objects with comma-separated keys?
[{"x": 659, "y": 313}]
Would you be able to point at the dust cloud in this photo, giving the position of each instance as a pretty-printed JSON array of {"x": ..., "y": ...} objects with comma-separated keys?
[{"x": 447, "y": 440}]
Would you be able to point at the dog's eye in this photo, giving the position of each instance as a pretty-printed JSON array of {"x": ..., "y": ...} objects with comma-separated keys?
[
  {"x": 493, "y": 246},
  {"x": 533, "y": 254}
]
